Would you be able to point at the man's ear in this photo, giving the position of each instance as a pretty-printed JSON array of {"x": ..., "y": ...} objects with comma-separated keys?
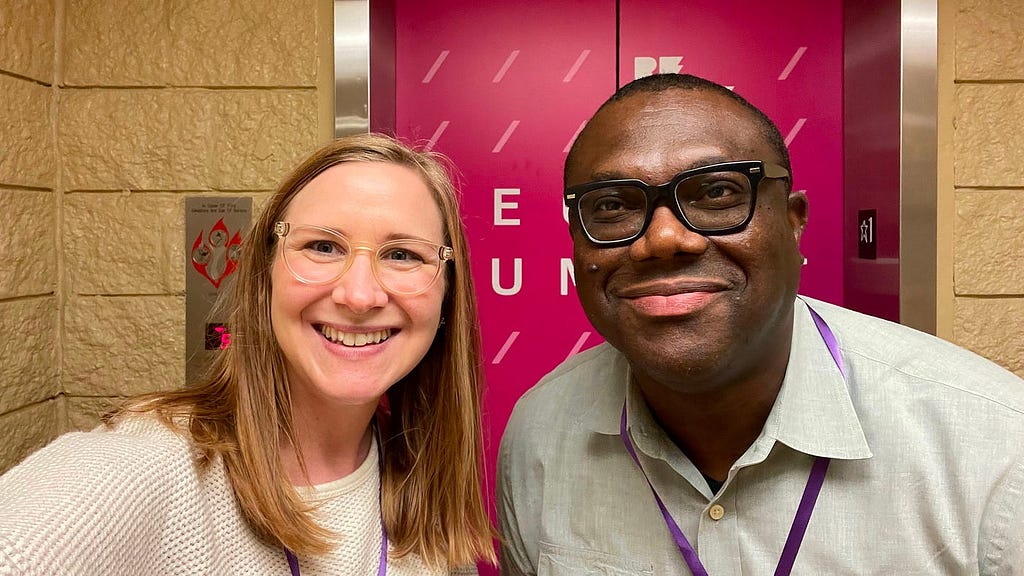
[{"x": 797, "y": 213}]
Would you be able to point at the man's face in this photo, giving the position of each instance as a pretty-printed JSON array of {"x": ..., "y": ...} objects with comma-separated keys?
[{"x": 692, "y": 313}]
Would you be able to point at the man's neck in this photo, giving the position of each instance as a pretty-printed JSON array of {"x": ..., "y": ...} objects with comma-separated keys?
[{"x": 715, "y": 427}]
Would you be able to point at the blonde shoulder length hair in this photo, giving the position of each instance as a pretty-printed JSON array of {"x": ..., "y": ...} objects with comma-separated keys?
[{"x": 431, "y": 471}]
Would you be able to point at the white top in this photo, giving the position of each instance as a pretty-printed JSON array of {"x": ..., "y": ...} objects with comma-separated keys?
[{"x": 131, "y": 501}]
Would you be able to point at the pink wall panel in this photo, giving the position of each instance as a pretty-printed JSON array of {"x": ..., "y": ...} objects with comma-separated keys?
[
  {"x": 872, "y": 153},
  {"x": 785, "y": 58},
  {"x": 502, "y": 88}
]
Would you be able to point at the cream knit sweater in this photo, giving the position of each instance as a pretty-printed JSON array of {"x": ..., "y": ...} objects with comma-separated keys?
[{"x": 130, "y": 501}]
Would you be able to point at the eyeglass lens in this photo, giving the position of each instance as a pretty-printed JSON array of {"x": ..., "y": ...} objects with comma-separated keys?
[
  {"x": 710, "y": 202},
  {"x": 318, "y": 256}
]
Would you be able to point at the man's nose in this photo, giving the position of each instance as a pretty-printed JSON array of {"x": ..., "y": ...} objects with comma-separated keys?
[
  {"x": 667, "y": 237},
  {"x": 358, "y": 289}
]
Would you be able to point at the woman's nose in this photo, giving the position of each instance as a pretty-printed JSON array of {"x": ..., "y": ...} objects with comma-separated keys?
[{"x": 358, "y": 288}]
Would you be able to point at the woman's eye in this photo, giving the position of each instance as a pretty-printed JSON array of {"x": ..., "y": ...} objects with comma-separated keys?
[
  {"x": 323, "y": 247},
  {"x": 402, "y": 255}
]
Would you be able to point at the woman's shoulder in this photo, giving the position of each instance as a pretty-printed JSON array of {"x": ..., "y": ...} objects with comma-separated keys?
[
  {"x": 117, "y": 483},
  {"x": 114, "y": 451}
]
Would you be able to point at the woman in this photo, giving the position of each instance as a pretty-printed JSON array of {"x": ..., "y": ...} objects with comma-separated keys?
[{"x": 339, "y": 433}]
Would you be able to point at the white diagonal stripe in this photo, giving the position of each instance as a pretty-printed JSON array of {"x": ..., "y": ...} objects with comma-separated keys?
[
  {"x": 508, "y": 344},
  {"x": 576, "y": 66},
  {"x": 792, "y": 62},
  {"x": 568, "y": 145},
  {"x": 435, "y": 66},
  {"x": 504, "y": 137},
  {"x": 796, "y": 128},
  {"x": 437, "y": 134},
  {"x": 579, "y": 344},
  {"x": 504, "y": 67}
]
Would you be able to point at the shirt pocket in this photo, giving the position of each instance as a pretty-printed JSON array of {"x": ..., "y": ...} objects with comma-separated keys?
[{"x": 562, "y": 561}]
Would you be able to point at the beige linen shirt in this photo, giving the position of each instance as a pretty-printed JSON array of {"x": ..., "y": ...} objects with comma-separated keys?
[{"x": 927, "y": 471}]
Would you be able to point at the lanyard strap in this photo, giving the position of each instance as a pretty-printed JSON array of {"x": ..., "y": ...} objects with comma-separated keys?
[
  {"x": 382, "y": 565},
  {"x": 810, "y": 496}
]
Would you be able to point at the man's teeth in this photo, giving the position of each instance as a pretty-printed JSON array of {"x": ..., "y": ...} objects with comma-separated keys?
[{"x": 355, "y": 338}]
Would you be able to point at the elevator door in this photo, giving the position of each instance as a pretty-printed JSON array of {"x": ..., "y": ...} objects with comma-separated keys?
[{"x": 503, "y": 88}]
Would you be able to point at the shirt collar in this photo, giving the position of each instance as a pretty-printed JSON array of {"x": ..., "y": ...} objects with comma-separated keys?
[{"x": 813, "y": 413}]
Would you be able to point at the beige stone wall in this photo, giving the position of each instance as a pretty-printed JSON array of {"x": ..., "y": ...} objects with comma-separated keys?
[
  {"x": 29, "y": 230},
  {"x": 112, "y": 114},
  {"x": 988, "y": 179}
]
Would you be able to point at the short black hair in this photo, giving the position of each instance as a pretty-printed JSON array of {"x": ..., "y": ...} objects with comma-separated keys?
[{"x": 663, "y": 82}]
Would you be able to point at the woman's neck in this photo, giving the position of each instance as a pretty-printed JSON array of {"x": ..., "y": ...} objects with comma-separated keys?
[{"x": 333, "y": 443}]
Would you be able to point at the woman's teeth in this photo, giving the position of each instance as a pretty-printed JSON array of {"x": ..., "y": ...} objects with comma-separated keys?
[{"x": 355, "y": 338}]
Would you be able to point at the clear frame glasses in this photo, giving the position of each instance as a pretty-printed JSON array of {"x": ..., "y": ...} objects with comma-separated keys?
[
  {"x": 319, "y": 255},
  {"x": 711, "y": 200}
]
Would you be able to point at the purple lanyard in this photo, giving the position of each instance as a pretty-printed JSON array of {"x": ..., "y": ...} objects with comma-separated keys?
[
  {"x": 807, "y": 501},
  {"x": 382, "y": 565}
]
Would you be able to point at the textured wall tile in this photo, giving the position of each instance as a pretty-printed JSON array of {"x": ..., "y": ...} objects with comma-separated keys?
[
  {"x": 28, "y": 352},
  {"x": 127, "y": 243},
  {"x": 84, "y": 413},
  {"x": 28, "y": 261},
  {"x": 989, "y": 40},
  {"x": 244, "y": 43},
  {"x": 26, "y": 157},
  {"x": 992, "y": 327},
  {"x": 25, "y": 431},
  {"x": 115, "y": 43},
  {"x": 184, "y": 139},
  {"x": 138, "y": 139},
  {"x": 191, "y": 43},
  {"x": 260, "y": 136},
  {"x": 26, "y": 41},
  {"x": 988, "y": 140},
  {"x": 989, "y": 242},
  {"x": 120, "y": 346},
  {"x": 117, "y": 243}
]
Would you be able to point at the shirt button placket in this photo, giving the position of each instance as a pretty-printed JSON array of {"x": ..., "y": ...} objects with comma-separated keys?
[{"x": 718, "y": 546}]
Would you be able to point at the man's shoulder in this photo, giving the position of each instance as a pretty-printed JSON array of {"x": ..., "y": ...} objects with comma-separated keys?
[
  {"x": 884, "y": 346},
  {"x": 569, "y": 392},
  {"x": 577, "y": 378}
]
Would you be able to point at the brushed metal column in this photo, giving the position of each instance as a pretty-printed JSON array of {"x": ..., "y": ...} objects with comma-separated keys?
[
  {"x": 364, "y": 66},
  {"x": 351, "y": 67},
  {"x": 918, "y": 163}
]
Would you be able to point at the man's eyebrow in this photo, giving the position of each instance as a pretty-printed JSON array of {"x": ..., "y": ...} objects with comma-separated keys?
[{"x": 623, "y": 175}]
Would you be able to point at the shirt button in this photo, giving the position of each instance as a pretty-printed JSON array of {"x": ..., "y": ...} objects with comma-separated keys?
[{"x": 716, "y": 512}]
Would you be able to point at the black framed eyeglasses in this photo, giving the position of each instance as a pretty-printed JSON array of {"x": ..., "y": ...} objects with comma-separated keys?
[{"x": 711, "y": 200}]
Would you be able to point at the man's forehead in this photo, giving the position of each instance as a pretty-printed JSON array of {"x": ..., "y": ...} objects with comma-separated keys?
[{"x": 658, "y": 133}]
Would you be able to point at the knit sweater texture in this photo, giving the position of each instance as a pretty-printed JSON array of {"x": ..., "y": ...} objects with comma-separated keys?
[{"x": 131, "y": 500}]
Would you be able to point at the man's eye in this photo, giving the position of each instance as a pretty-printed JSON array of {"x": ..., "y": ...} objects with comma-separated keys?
[
  {"x": 718, "y": 191},
  {"x": 611, "y": 204}
]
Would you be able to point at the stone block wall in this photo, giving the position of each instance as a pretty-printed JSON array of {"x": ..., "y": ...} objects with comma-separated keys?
[
  {"x": 112, "y": 114},
  {"x": 988, "y": 180},
  {"x": 30, "y": 403}
]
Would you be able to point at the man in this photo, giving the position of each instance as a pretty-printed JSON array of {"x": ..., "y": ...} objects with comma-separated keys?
[{"x": 772, "y": 438}]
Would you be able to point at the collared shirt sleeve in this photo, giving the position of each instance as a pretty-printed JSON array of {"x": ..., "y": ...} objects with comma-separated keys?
[
  {"x": 1001, "y": 539},
  {"x": 513, "y": 555}
]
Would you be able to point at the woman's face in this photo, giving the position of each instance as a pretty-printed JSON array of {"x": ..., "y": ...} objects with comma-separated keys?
[{"x": 349, "y": 340}]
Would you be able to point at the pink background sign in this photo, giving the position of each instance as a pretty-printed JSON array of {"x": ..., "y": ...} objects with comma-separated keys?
[{"x": 503, "y": 88}]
